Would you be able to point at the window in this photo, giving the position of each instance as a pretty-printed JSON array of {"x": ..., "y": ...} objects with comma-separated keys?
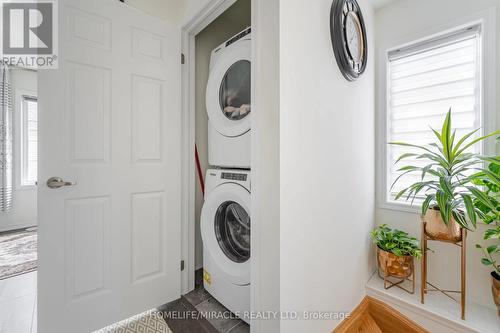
[
  {"x": 424, "y": 80},
  {"x": 29, "y": 138}
]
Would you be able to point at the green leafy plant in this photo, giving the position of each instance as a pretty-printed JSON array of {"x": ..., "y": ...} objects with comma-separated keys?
[
  {"x": 396, "y": 241},
  {"x": 454, "y": 171},
  {"x": 490, "y": 253},
  {"x": 491, "y": 213},
  {"x": 491, "y": 218}
]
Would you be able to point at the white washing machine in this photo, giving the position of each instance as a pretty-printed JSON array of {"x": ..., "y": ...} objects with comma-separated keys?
[
  {"x": 228, "y": 103},
  {"x": 225, "y": 232}
]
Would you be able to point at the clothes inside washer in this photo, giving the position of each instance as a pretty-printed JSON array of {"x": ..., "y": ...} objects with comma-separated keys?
[
  {"x": 239, "y": 222},
  {"x": 232, "y": 229}
]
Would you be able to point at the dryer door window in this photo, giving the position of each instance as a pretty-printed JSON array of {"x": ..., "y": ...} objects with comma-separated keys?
[
  {"x": 234, "y": 93},
  {"x": 232, "y": 229}
]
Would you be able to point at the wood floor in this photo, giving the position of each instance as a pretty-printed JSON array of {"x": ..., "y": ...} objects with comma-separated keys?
[{"x": 374, "y": 316}]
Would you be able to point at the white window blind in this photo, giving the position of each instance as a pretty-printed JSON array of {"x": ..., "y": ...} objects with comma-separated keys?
[
  {"x": 29, "y": 151},
  {"x": 424, "y": 81}
]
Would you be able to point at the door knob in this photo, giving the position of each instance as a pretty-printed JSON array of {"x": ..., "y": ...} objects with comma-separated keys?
[{"x": 57, "y": 182}]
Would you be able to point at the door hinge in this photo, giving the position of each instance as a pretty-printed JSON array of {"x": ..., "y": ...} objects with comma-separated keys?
[
  {"x": 182, "y": 265},
  {"x": 183, "y": 59}
]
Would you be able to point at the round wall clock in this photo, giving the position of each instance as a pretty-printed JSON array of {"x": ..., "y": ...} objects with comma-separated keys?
[{"x": 347, "y": 30}]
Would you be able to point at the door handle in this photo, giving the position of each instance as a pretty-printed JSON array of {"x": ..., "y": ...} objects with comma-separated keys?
[{"x": 57, "y": 182}]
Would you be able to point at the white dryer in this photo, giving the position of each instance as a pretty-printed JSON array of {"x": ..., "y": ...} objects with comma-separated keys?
[
  {"x": 225, "y": 232},
  {"x": 228, "y": 103}
]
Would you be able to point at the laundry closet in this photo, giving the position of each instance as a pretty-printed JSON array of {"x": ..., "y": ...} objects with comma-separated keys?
[{"x": 222, "y": 136}]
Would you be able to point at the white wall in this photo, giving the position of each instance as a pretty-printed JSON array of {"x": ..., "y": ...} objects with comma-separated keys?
[
  {"x": 23, "y": 212},
  {"x": 233, "y": 20},
  {"x": 402, "y": 21},
  {"x": 326, "y": 168}
]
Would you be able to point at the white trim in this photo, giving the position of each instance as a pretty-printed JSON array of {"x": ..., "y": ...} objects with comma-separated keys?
[
  {"x": 212, "y": 10},
  {"x": 416, "y": 309},
  {"x": 489, "y": 64},
  {"x": 18, "y": 138},
  {"x": 441, "y": 319},
  {"x": 200, "y": 21},
  {"x": 487, "y": 20},
  {"x": 456, "y": 35},
  {"x": 265, "y": 289},
  {"x": 24, "y": 141}
]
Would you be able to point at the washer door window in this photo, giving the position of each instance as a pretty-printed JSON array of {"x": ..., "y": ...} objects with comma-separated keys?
[
  {"x": 232, "y": 229},
  {"x": 234, "y": 93}
]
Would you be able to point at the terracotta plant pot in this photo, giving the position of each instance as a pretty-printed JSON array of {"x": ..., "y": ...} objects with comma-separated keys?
[
  {"x": 437, "y": 229},
  {"x": 495, "y": 289},
  {"x": 393, "y": 265}
]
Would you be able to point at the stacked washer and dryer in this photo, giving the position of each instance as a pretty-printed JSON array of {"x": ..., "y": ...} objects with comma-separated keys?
[{"x": 225, "y": 216}]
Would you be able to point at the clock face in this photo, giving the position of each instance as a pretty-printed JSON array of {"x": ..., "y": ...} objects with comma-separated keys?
[
  {"x": 348, "y": 35},
  {"x": 354, "y": 37}
]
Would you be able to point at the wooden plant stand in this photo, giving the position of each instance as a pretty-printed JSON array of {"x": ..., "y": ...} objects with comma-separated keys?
[{"x": 462, "y": 244}]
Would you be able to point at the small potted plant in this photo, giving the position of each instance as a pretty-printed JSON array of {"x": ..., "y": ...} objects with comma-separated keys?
[
  {"x": 491, "y": 217},
  {"x": 447, "y": 182},
  {"x": 489, "y": 259},
  {"x": 395, "y": 253}
]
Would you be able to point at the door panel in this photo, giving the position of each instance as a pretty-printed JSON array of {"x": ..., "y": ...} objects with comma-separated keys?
[
  {"x": 147, "y": 236},
  {"x": 87, "y": 268},
  {"x": 89, "y": 105},
  {"x": 109, "y": 119},
  {"x": 147, "y": 103}
]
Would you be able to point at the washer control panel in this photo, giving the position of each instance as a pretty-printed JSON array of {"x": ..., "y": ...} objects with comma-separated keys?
[
  {"x": 216, "y": 177},
  {"x": 234, "y": 176}
]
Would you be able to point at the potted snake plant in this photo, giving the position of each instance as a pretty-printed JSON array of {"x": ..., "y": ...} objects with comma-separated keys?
[
  {"x": 491, "y": 217},
  {"x": 450, "y": 191}
]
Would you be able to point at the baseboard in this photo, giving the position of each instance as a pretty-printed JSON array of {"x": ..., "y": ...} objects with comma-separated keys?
[{"x": 18, "y": 226}]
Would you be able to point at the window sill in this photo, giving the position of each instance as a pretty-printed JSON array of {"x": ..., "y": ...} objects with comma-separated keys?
[
  {"x": 26, "y": 187},
  {"x": 400, "y": 207},
  {"x": 438, "y": 310}
]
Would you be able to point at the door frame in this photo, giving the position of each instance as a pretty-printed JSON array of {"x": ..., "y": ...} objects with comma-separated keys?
[{"x": 212, "y": 10}]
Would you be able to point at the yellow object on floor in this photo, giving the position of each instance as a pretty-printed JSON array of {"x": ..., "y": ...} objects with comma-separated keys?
[{"x": 206, "y": 277}]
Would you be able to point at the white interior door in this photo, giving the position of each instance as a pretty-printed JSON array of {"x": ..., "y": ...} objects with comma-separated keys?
[{"x": 109, "y": 246}]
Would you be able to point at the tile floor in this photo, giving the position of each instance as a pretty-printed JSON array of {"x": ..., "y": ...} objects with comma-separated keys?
[
  {"x": 200, "y": 301},
  {"x": 18, "y": 304},
  {"x": 230, "y": 325},
  {"x": 204, "y": 303}
]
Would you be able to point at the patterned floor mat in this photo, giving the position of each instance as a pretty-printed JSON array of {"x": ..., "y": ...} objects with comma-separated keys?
[
  {"x": 147, "y": 322},
  {"x": 18, "y": 253}
]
